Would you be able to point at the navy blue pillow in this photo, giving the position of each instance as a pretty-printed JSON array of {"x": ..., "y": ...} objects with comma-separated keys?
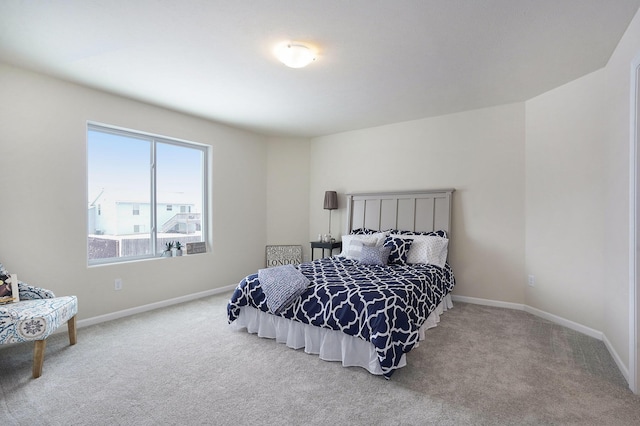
[{"x": 399, "y": 249}]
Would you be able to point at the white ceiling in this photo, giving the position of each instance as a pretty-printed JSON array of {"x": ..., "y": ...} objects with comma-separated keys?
[{"x": 379, "y": 62}]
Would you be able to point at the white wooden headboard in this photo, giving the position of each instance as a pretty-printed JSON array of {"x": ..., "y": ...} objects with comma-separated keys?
[{"x": 428, "y": 210}]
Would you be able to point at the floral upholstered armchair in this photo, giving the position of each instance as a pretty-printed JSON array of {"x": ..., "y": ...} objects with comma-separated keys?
[{"x": 34, "y": 317}]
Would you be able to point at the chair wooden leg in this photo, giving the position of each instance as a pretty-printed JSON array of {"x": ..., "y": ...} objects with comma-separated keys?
[
  {"x": 38, "y": 357},
  {"x": 40, "y": 346},
  {"x": 71, "y": 324}
]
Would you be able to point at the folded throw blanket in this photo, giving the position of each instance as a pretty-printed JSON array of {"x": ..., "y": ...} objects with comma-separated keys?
[{"x": 281, "y": 286}]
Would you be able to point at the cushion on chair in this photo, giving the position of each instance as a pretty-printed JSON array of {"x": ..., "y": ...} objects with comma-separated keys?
[
  {"x": 35, "y": 319},
  {"x": 29, "y": 292}
]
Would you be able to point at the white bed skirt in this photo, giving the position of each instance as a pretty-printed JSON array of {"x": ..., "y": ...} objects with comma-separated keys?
[{"x": 330, "y": 345}]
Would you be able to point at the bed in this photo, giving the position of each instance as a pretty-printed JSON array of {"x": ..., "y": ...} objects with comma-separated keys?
[{"x": 370, "y": 305}]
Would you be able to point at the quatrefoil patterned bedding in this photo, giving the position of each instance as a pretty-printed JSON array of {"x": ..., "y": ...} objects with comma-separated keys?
[{"x": 385, "y": 305}]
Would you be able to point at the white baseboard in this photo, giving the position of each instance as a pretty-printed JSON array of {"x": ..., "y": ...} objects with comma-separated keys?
[
  {"x": 151, "y": 306},
  {"x": 553, "y": 318},
  {"x": 623, "y": 368},
  {"x": 564, "y": 322},
  {"x": 488, "y": 302}
]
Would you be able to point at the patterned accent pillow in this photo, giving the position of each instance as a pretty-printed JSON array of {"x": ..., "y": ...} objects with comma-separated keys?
[
  {"x": 29, "y": 292},
  {"x": 427, "y": 249},
  {"x": 351, "y": 249},
  {"x": 399, "y": 249},
  {"x": 352, "y": 244},
  {"x": 363, "y": 231},
  {"x": 378, "y": 255},
  {"x": 437, "y": 251}
]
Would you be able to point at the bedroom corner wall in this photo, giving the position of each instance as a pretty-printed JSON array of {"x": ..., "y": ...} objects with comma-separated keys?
[
  {"x": 288, "y": 192},
  {"x": 43, "y": 226},
  {"x": 564, "y": 200},
  {"x": 480, "y": 153},
  {"x": 616, "y": 199},
  {"x": 578, "y": 138}
]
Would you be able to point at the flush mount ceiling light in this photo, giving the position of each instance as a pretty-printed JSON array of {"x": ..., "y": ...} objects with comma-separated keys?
[{"x": 295, "y": 54}]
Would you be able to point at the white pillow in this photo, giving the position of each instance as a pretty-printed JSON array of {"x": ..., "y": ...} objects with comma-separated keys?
[
  {"x": 352, "y": 244},
  {"x": 427, "y": 249}
]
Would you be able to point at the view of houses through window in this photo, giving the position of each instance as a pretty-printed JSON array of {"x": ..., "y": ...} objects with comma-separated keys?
[{"x": 143, "y": 191}]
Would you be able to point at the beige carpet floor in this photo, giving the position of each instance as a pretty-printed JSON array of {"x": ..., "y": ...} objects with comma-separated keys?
[{"x": 182, "y": 365}]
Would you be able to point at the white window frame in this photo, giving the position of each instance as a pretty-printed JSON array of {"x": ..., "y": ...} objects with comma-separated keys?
[{"x": 155, "y": 139}]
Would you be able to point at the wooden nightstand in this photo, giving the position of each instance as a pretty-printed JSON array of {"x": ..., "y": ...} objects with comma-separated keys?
[{"x": 325, "y": 246}]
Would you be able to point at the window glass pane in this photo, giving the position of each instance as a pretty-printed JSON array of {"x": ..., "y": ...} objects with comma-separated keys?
[
  {"x": 179, "y": 182},
  {"x": 119, "y": 195},
  {"x": 142, "y": 189}
]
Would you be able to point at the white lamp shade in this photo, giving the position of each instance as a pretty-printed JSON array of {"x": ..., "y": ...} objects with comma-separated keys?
[{"x": 295, "y": 55}]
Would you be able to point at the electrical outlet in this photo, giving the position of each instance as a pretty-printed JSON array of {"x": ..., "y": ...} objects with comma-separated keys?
[
  {"x": 532, "y": 280},
  {"x": 118, "y": 284}
]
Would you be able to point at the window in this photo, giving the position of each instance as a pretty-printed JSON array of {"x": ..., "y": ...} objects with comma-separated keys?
[{"x": 130, "y": 177}]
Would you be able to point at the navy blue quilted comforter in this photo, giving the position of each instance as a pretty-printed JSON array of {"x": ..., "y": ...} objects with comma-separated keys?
[{"x": 385, "y": 305}]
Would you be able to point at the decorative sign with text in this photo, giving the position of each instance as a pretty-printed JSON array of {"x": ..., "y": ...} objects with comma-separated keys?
[
  {"x": 194, "y": 248},
  {"x": 283, "y": 255}
]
